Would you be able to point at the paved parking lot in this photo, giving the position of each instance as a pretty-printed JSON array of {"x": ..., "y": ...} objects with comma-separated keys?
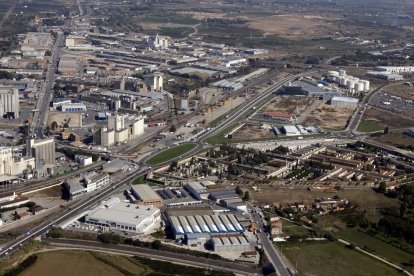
[{"x": 393, "y": 103}]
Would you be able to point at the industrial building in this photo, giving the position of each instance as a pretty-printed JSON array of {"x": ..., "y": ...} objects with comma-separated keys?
[
  {"x": 145, "y": 195},
  {"x": 120, "y": 129},
  {"x": 214, "y": 224},
  {"x": 290, "y": 130},
  {"x": 347, "y": 102},
  {"x": 176, "y": 196},
  {"x": 72, "y": 107},
  {"x": 85, "y": 184},
  {"x": 83, "y": 160},
  {"x": 352, "y": 83},
  {"x": 226, "y": 244},
  {"x": 42, "y": 150},
  {"x": 116, "y": 215},
  {"x": 197, "y": 190},
  {"x": 395, "y": 69},
  {"x": 9, "y": 102},
  {"x": 13, "y": 164}
]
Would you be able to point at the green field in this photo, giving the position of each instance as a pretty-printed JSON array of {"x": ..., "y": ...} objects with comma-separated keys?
[
  {"x": 330, "y": 258},
  {"x": 369, "y": 126},
  {"x": 378, "y": 247},
  {"x": 170, "y": 154}
]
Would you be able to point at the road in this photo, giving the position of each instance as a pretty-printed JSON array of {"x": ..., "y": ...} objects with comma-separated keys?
[
  {"x": 221, "y": 265},
  {"x": 271, "y": 252},
  {"x": 40, "y": 117}
]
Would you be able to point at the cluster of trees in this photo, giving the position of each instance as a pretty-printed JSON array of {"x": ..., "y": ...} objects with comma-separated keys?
[
  {"x": 252, "y": 159},
  {"x": 280, "y": 150},
  {"x": 399, "y": 222},
  {"x": 225, "y": 21},
  {"x": 29, "y": 261},
  {"x": 111, "y": 238},
  {"x": 9, "y": 76},
  {"x": 55, "y": 232}
]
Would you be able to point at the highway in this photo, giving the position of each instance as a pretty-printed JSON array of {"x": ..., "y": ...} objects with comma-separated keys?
[
  {"x": 271, "y": 252},
  {"x": 221, "y": 265}
]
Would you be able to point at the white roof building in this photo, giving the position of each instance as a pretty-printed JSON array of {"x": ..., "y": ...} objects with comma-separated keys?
[{"x": 122, "y": 216}]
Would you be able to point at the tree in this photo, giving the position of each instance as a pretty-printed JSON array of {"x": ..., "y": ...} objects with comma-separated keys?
[
  {"x": 239, "y": 191},
  {"x": 156, "y": 244},
  {"x": 382, "y": 188},
  {"x": 55, "y": 232},
  {"x": 173, "y": 128},
  {"x": 111, "y": 238},
  {"x": 54, "y": 125},
  {"x": 403, "y": 209},
  {"x": 246, "y": 196},
  {"x": 386, "y": 130}
]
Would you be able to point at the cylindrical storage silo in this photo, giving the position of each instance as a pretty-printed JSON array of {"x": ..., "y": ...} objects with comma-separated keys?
[
  {"x": 342, "y": 72},
  {"x": 366, "y": 85},
  {"x": 359, "y": 86}
]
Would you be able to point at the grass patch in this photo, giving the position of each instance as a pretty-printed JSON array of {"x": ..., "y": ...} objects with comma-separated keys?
[
  {"x": 139, "y": 180},
  {"x": 170, "y": 154},
  {"x": 291, "y": 229},
  {"x": 369, "y": 126},
  {"x": 331, "y": 257},
  {"x": 378, "y": 247}
]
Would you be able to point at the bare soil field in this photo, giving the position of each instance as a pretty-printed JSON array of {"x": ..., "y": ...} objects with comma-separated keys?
[
  {"x": 289, "y": 104},
  {"x": 293, "y": 25},
  {"x": 384, "y": 119},
  {"x": 252, "y": 132},
  {"x": 401, "y": 90},
  {"x": 329, "y": 117}
]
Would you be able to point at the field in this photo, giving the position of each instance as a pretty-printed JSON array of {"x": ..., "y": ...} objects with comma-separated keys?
[
  {"x": 396, "y": 139},
  {"x": 293, "y": 25},
  {"x": 376, "y": 246},
  {"x": 329, "y": 117},
  {"x": 365, "y": 199},
  {"x": 69, "y": 263},
  {"x": 331, "y": 257},
  {"x": 289, "y": 104},
  {"x": 375, "y": 119},
  {"x": 170, "y": 154},
  {"x": 253, "y": 132}
]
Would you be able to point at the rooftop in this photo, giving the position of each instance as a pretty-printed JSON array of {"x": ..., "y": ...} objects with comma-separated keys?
[
  {"x": 145, "y": 192},
  {"x": 115, "y": 210}
]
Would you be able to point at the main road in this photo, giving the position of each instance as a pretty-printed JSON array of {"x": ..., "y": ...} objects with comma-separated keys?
[{"x": 45, "y": 95}]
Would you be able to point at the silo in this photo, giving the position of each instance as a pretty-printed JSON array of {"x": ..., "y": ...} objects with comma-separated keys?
[
  {"x": 359, "y": 86},
  {"x": 342, "y": 80},
  {"x": 342, "y": 72},
  {"x": 366, "y": 85}
]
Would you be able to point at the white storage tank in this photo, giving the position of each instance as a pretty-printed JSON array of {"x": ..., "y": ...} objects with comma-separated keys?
[
  {"x": 342, "y": 72},
  {"x": 366, "y": 85},
  {"x": 342, "y": 80},
  {"x": 359, "y": 86}
]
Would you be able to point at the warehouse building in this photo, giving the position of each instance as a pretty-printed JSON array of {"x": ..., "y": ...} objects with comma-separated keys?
[
  {"x": 116, "y": 215},
  {"x": 72, "y": 107},
  {"x": 225, "y": 244},
  {"x": 176, "y": 196},
  {"x": 197, "y": 190},
  {"x": 290, "y": 130},
  {"x": 145, "y": 195},
  {"x": 347, "y": 102},
  {"x": 204, "y": 224}
]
